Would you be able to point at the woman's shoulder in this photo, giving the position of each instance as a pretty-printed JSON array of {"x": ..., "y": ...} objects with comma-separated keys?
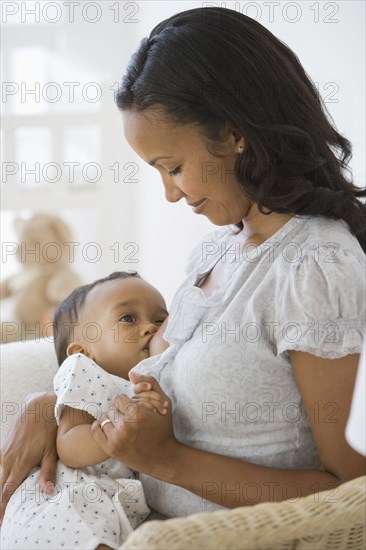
[
  {"x": 323, "y": 253},
  {"x": 320, "y": 295},
  {"x": 327, "y": 237},
  {"x": 316, "y": 245}
]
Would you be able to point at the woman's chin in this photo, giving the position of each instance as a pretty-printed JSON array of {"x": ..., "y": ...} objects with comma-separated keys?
[{"x": 223, "y": 219}]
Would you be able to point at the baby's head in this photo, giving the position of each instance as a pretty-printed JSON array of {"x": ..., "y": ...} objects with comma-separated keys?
[{"x": 111, "y": 321}]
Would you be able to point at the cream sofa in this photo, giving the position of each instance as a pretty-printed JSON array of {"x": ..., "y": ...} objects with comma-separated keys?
[{"x": 329, "y": 520}]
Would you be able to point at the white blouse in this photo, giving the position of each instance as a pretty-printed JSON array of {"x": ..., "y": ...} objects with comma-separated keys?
[{"x": 227, "y": 369}]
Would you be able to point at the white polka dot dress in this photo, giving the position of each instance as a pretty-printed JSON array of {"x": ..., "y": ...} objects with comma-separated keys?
[{"x": 100, "y": 504}]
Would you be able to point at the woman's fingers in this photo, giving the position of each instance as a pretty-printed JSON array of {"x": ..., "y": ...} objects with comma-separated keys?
[
  {"x": 98, "y": 434},
  {"x": 136, "y": 435},
  {"x": 101, "y": 428},
  {"x": 13, "y": 474},
  {"x": 8, "y": 486},
  {"x": 47, "y": 477},
  {"x": 126, "y": 406},
  {"x": 4, "y": 497},
  {"x": 5, "y": 470},
  {"x": 30, "y": 442},
  {"x": 13, "y": 477}
]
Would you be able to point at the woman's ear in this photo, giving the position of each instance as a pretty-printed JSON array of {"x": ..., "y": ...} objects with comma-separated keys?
[
  {"x": 236, "y": 137},
  {"x": 76, "y": 347}
]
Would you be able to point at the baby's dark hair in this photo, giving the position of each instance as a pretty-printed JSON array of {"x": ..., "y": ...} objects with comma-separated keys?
[{"x": 66, "y": 315}]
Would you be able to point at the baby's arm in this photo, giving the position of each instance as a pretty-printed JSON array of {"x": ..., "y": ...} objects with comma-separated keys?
[{"x": 76, "y": 447}]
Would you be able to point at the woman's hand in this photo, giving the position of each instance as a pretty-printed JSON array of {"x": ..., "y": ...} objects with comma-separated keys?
[
  {"x": 137, "y": 435},
  {"x": 31, "y": 442}
]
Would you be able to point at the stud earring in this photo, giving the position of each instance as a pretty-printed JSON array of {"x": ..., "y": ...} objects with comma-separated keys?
[{"x": 241, "y": 149}]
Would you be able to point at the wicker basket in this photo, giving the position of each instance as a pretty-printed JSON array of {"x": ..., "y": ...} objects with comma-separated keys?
[{"x": 333, "y": 520}]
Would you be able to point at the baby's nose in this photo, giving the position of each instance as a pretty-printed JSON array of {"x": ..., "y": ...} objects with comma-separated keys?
[{"x": 149, "y": 328}]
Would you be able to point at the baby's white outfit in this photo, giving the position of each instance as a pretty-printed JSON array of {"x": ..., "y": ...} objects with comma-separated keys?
[{"x": 100, "y": 504}]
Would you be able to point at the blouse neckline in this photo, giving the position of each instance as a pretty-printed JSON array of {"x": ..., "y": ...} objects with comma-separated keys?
[{"x": 232, "y": 266}]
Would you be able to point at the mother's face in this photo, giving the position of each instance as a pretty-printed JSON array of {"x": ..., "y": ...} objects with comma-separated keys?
[{"x": 188, "y": 170}]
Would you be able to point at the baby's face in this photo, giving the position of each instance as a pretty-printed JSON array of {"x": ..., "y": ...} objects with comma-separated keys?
[{"x": 118, "y": 320}]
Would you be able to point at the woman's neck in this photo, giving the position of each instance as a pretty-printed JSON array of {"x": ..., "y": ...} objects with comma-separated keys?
[{"x": 260, "y": 227}]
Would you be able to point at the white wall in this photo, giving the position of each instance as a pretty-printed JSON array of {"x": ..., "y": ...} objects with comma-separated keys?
[{"x": 331, "y": 46}]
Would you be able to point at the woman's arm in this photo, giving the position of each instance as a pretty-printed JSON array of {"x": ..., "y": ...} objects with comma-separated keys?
[
  {"x": 31, "y": 442},
  {"x": 146, "y": 443}
]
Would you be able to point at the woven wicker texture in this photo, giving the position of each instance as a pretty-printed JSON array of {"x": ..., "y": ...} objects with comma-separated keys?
[{"x": 333, "y": 520}]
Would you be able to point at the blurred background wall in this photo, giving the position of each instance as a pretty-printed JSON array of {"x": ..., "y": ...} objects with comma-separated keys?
[{"x": 63, "y": 150}]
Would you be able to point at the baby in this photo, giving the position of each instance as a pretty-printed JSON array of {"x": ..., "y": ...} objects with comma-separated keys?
[{"x": 101, "y": 331}]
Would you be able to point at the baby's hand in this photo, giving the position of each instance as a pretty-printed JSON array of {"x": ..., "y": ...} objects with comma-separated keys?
[{"x": 149, "y": 398}]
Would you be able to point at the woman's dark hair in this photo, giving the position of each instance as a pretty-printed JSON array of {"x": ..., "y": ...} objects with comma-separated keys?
[
  {"x": 218, "y": 68},
  {"x": 67, "y": 313}
]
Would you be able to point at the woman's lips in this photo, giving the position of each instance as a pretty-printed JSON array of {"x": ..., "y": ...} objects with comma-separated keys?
[{"x": 198, "y": 206}]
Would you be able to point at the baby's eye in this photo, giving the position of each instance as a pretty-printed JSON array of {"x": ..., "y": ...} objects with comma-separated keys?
[
  {"x": 159, "y": 321},
  {"x": 128, "y": 318}
]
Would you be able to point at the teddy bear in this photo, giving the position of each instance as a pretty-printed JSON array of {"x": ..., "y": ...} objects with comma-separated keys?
[{"x": 44, "y": 280}]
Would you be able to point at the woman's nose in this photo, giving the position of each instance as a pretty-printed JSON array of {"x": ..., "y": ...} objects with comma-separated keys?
[{"x": 172, "y": 192}]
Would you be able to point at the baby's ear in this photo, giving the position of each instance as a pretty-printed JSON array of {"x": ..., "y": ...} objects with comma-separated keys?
[{"x": 76, "y": 347}]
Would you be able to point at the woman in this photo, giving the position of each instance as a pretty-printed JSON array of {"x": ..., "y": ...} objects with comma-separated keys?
[{"x": 266, "y": 331}]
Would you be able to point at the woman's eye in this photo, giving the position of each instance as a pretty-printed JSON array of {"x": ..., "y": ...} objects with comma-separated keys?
[
  {"x": 128, "y": 318},
  {"x": 175, "y": 171}
]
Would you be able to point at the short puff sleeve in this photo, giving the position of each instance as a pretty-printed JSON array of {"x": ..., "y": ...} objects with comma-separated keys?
[
  {"x": 82, "y": 384},
  {"x": 322, "y": 306}
]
